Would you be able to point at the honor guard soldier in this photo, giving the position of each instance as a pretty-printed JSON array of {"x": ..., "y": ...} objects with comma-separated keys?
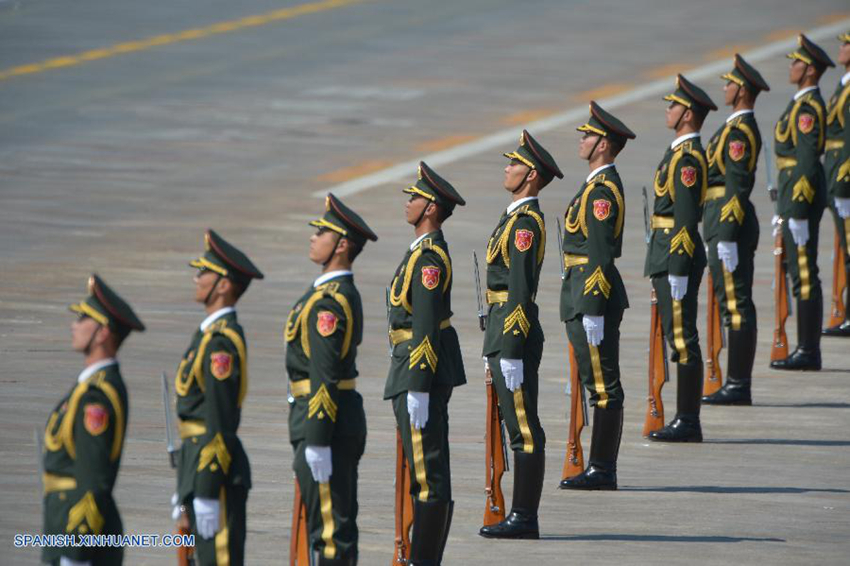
[
  {"x": 213, "y": 473},
  {"x": 593, "y": 296},
  {"x": 837, "y": 168},
  {"x": 800, "y": 137},
  {"x": 84, "y": 437},
  {"x": 676, "y": 256},
  {"x": 327, "y": 424},
  {"x": 513, "y": 339},
  {"x": 426, "y": 361},
  {"x": 731, "y": 227}
]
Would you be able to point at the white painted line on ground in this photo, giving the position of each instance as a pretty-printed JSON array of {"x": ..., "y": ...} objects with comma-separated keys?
[{"x": 504, "y": 138}]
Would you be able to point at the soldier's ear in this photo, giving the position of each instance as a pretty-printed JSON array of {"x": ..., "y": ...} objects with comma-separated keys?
[{"x": 342, "y": 246}]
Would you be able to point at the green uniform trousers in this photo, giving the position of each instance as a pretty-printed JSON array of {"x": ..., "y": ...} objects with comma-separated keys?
[
  {"x": 679, "y": 318},
  {"x": 519, "y": 408},
  {"x": 734, "y": 290},
  {"x": 842, "y": 226},
  {"x": 599, "y": 366},
  {"x": 56, "y": 507},
  {"x": 801, "y": 263},
  {"x": 427, "y": 449},
  {"x": 227, "y": 547}
]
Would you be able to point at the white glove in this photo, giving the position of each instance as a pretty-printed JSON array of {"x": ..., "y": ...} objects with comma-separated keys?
[
  {"x": 65, "y": 561},
  {"x": 799, "y": 230},
  {"x": 513, "y": 372},
  {"x": 594, "y": 327},
  {"x": 776, "y": 223},
  {"x": 319, "y": 460},
  {"x": 175, "y": 507},
  {"x": 417, "y": 408},
  {"x": 842, "y": 207},
  {"x": 678, "y": 286},
  {"x": 206, "y": 516},
  {"x": 728, "y": 254}
]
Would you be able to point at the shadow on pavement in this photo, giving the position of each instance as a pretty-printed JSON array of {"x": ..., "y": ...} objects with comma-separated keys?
[
  {"x": 658, "y": 538},
  {"x": 778, "y": 441},
  {"x": 805, "y": 405},
  {"x": 733, "y": 489}
]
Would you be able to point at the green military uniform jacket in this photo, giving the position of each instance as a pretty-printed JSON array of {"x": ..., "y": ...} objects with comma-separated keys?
[
  {"x": 800, "y": 139},
  {"x": 732, "y": 157},
  {"x": 211, "y": 383},
  {"x": 593, "y": 238},
  {"x": 426, "y": 351},
  {"x": 83, "y": 442},
  {"x": 837, "y": 158},
  {"x": 681, "y": 182},
  {"x": 322, "y": 333}
]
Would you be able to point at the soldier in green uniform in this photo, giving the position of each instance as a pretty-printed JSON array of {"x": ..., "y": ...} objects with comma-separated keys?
[
  {"x": 676, "y": 258},
  {"x": 213, "y": 473},
  {"x": 731, "y": 227},
  {"x": 327, "y": 424},
  {"x": 800, "y": 138},
  {"x": 84, "y": 436},
  {"x": 837, "y": 168},
  {"x": 426, "y": 362},
  {"x": 513, "y": 339},
  {"x": 593, "y": 296}
]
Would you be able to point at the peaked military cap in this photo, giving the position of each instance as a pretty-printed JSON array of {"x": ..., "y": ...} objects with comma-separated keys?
[
  {"x": 224, "y": 259},
  {"x": 535, "y": 156},
  {"x": 845, "y": 37},
  {"x": 435, "y": 188},
  {"x": 745, "y": 75},
  {"x": 604, "y": 124},
  {"x": 344, "y": 221},
  {"x": 691, "y": 96},
  {"x": 810, "y": 53},
  {"x": 107, "y": 308}
]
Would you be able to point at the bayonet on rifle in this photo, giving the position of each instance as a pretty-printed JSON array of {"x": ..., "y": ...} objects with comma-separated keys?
[
  {"x": 647, "y": 218},
  {"x": 482, "y": 316},
  {"x": 169, "y": 423},
  {"x": 560, "y": 249}
]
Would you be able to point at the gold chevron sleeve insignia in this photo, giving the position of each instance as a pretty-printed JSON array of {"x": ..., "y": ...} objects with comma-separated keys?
[
  {"x": 84, "y": 516},
  {"x": 423, "y": 356},
  {"x": 597, "y": 283},
  {"x": 732, "y": 210},
  {"x": 682, "y": 240},
  {"x": 215, "y": 449},
  {"x": 803, "y": 190},
  {"x": 322, "y": 403},
  {"x": 844, "y": 171},
  {"x": 517, "y": 318}
]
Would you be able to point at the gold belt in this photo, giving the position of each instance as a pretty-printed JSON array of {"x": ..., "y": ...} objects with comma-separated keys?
[
  {"x": 400, "y": 335},
  {"x": 571, "y": 260},
  {"x": 834, "y": 144},
  {"x": 301, "y": 388},
  {"x": 714, "y": 193},
  {"x": 661, "y": 222},
  {"x": 785, "y": 162},
  {"x": 494, "y": 297},
  {"x": 192, "y": 428},
  {"x": 53, "y": 483}
]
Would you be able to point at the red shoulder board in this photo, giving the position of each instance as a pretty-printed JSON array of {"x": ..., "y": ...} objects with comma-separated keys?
[
  {"x": 96, "y": 418},
  {"x": 221, "y": 365},
  {"x": 430, "y": 277},
  {"x": 806, "y": 122},
  {"x": 326, "y": 323},
  {"x": 689, "y": 176},
  {"x": 736, "y": 150},
  {"x": 601, "y": 208},
  {"x": 523, "y": 239}
]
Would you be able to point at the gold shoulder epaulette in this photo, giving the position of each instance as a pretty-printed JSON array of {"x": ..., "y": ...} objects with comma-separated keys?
[
  {"x": 330, "y": 289},
  {"x": 426, "y": 244},
  {"x": 598, "y": 179}
]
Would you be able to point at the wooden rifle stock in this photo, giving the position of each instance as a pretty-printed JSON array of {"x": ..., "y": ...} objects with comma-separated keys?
[
  {"x": 185, "y": 554},
  {"x": 403, "y": 506},
  {"x": 299, "y": 549},
  {"x": 494, "y": 459},
  {"x": 839, "y": 283},
  {"x": 714, "y": 333},
  {"x": 779, "y": 350},
  {"x": 574, "y": 460},
  {"x": 657, "y": 371}
]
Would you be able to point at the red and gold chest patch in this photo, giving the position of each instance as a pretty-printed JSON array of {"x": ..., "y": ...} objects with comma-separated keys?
[
  {"x": 736, "y": 150},
  {"x": 601, "y": 209},
  {"x": 326, "y": 322},
  {"x": 221, "y": 365},
  {"x": 805, "y": 122},
  {"x": 96, "y": 418},
  {"x": 523, "y": 239},
  {"x": 688, "y": 176},
  {"x": 430, "y": 277}
]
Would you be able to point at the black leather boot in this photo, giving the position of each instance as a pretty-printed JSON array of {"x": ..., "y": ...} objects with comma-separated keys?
[
  {"x": 841, "y": 330},
  {"x": 686, "y": 426},
  {"x": 322, "y": 561},
  {"x": 601, "y": 472},
  {"x": 807, "y": 355},
  {"x": 429, "y": 525},
  {"x": 446, "y": 532},
  {"x": 528, "y": 483},
  {"x": 742, "y": 353}
]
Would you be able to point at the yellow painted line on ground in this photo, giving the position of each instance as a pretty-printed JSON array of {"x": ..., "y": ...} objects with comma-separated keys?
[
  {"x": 727, "y": 52},
  {"x": 348, "y": 173},
  {"x": 602, "y": 92},
  {"x": 527, "y": 116},
  {"x": 670, "y": 69},
  {"x": 186, "y": 35},
  {"x": 780, "y": 34},
  {"x": 832, "y": 18},
  {"x": 444, "y": 143}
]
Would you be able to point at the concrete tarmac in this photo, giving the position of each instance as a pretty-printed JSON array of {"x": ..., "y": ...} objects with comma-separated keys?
[{"x": 117, "y": 150}]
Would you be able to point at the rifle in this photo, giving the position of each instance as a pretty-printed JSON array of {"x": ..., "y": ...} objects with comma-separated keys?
[
  {"x": 714, "y": 342},
  {"x": 496, "y": 450},
  {"x": 185, "y": 554},
  {"x": 839, "y": 283},
  {"x": 781, "y": 298},
  {"x": 299, "y": 550},
  {"x": 403, "y": 505},
  {"x": 659, "y": 373}
]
